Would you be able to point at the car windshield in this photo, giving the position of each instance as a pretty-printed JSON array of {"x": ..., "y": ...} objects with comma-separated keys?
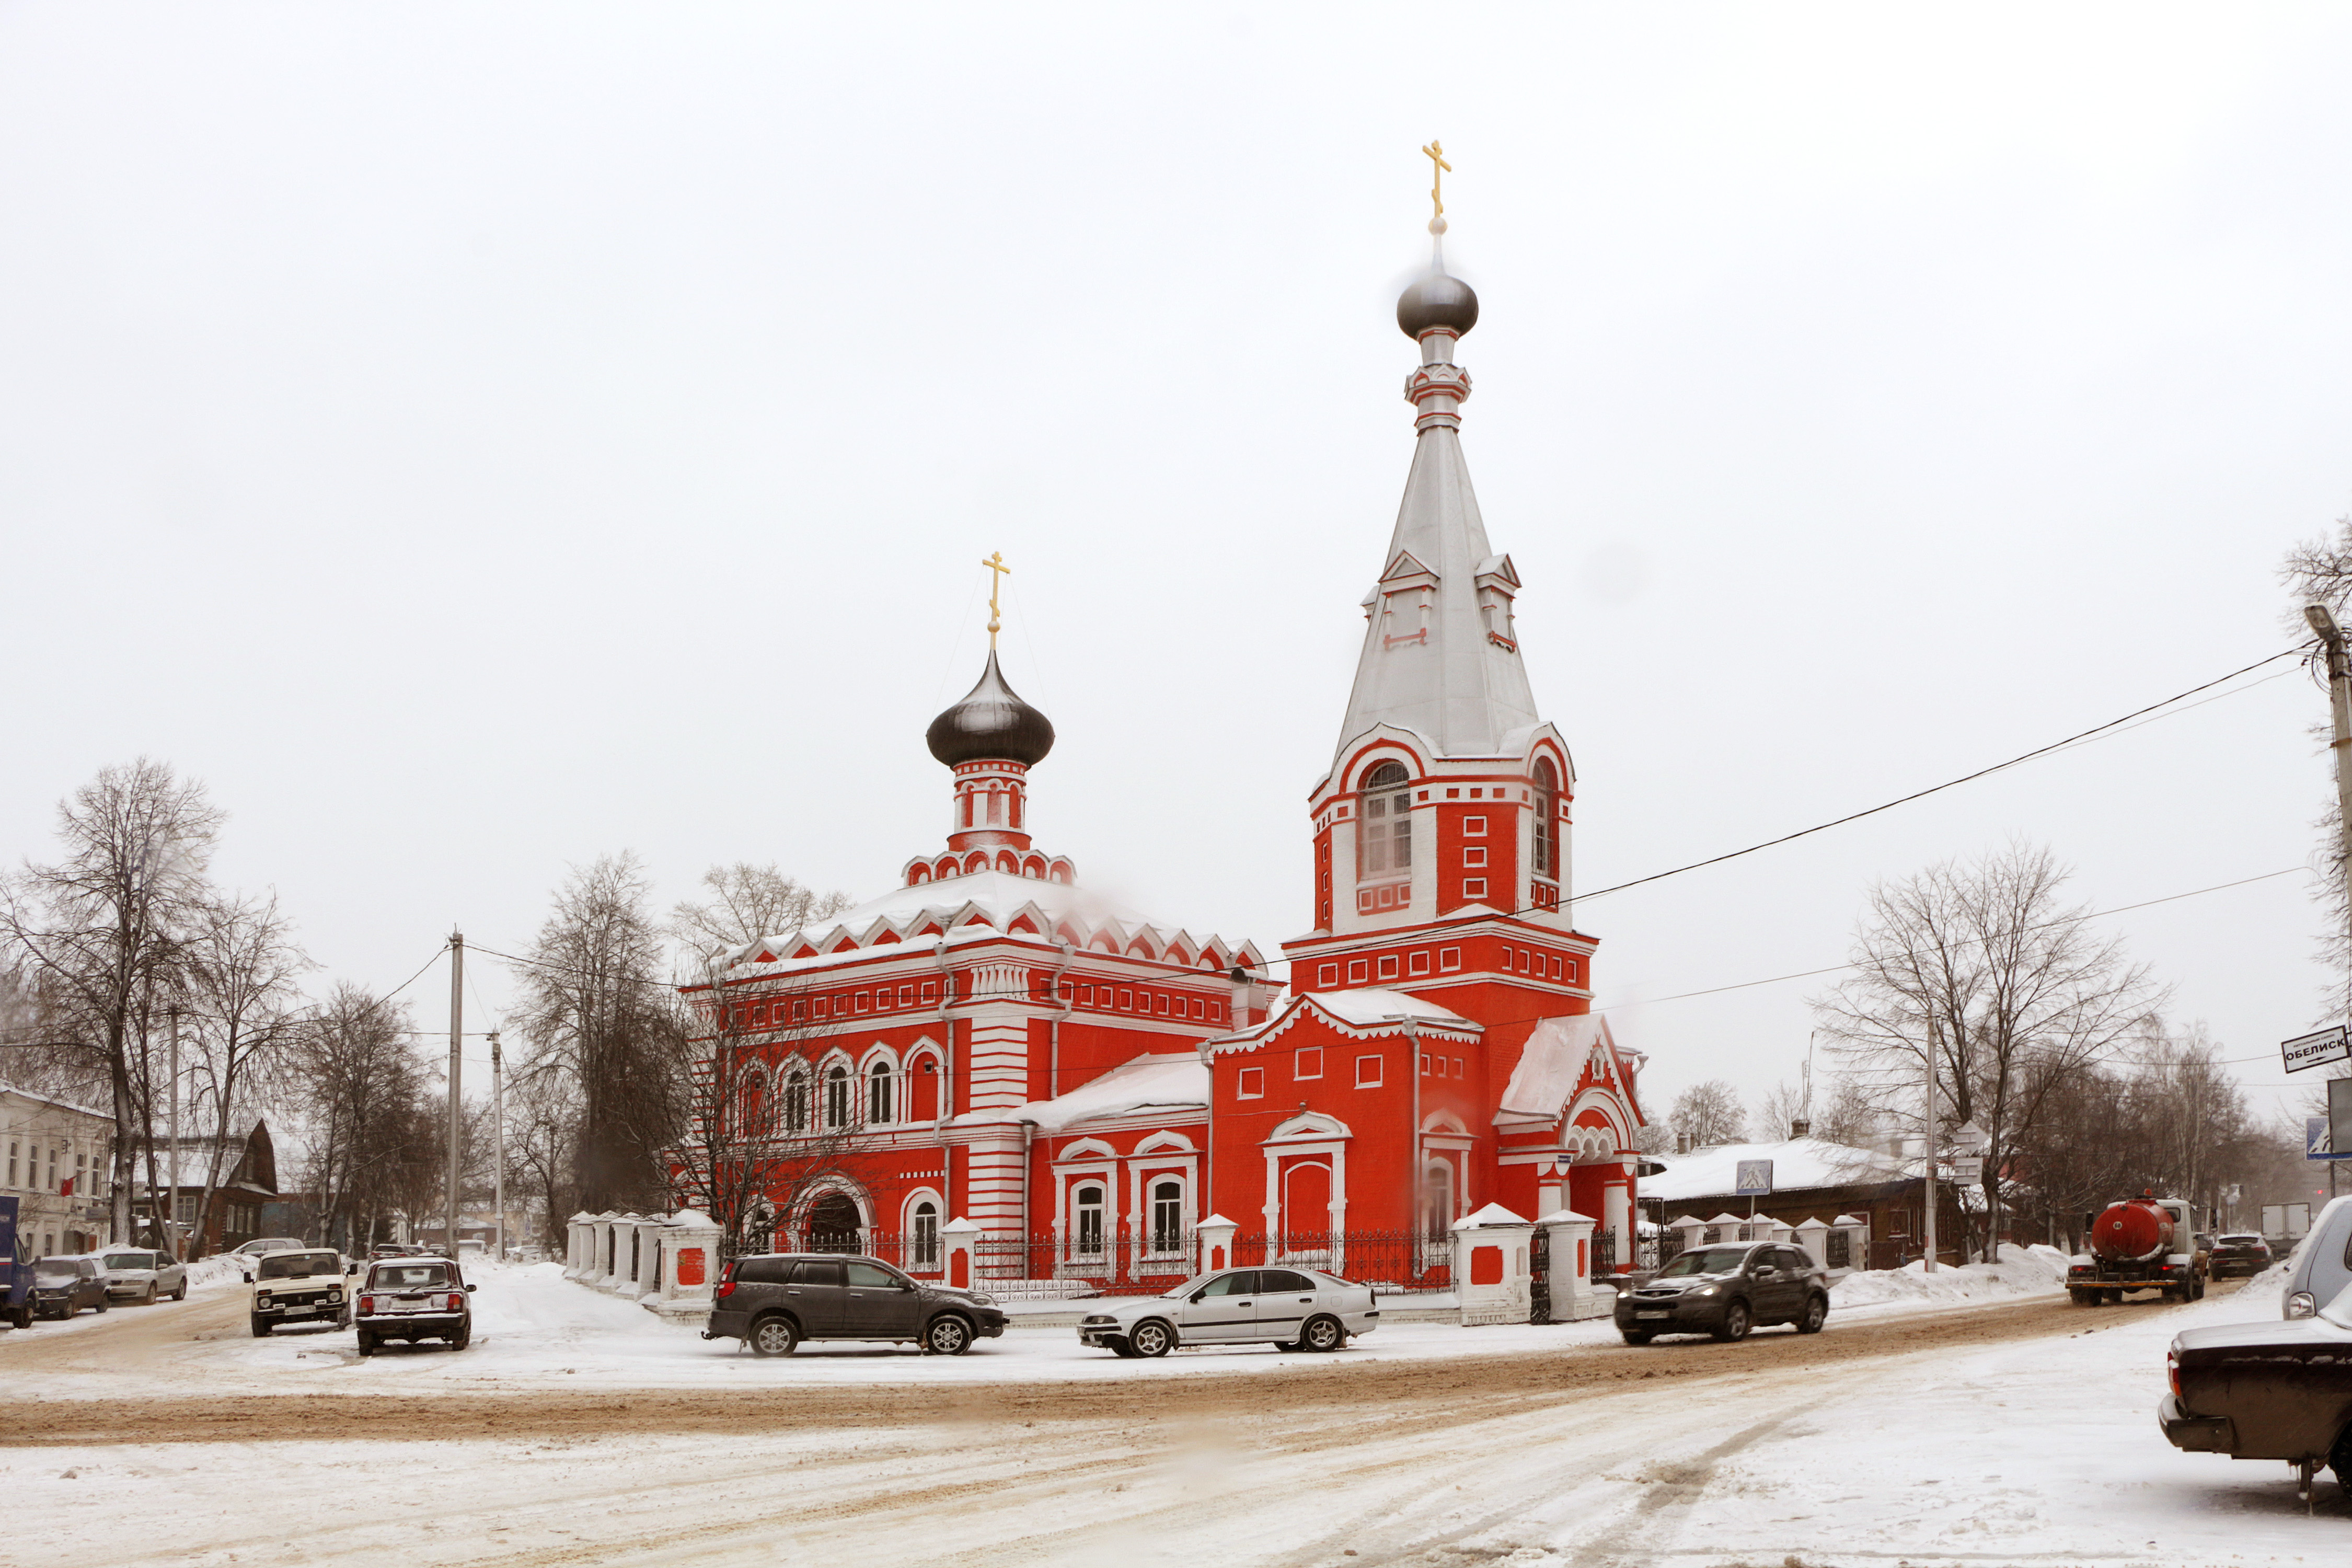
[
  {"x": 2241, "y": 1241},
  {"x": 131, "y": 1260},
  {"x": 1192, "y": 1285},
  {"x": 297, "y": 1265},
  {"x": 408, "y": 1276},
  {"x": 1708, "y": 1260},
  {"x": 46, "y": 1273}
]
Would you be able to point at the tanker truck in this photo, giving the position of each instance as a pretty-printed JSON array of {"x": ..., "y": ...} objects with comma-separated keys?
[{"x": 2144, "y": 1243}]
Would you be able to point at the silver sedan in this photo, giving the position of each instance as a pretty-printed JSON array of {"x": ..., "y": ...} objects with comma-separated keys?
[{"x": 1296, "y": 1308}]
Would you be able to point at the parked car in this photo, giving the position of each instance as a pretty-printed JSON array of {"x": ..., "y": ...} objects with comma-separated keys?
[
  {"x": 2321, "y": 1266},
  {"x": 299, "y": 1287},
  {"x": 1726, "y": 1292},
  {"x": 413, "y": 1298},
  {"x": 1296, "y": 1308},
  {"x": 137, "y": 1275},
  {"x": 248, "y": 1257},
  {"x": 2238, "y": 1252},
  {"x": 2266, "y": 1391},
  {"x": 774, "y": 1300},
  {"x": 64, "y": 1286}
]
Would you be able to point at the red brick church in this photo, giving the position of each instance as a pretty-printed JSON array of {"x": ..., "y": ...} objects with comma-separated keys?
[{"x": 1090, "y": 1087}]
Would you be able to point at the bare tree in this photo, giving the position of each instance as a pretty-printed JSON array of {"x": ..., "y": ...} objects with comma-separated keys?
[
  {"x": 596, "y": 1008},
  {"x": 2018, "y": 995},
  {"x": 100, "y": 930},
  {"x": 1707, "y": 1114},
  {"x": 771, "y": 1121},
  {"x": 747, "y": 902},
  {"x": 1779, "y": 1111},
  {"x": 240, "y": 968},
  {"x": 1842, "y": 1114},
  {"x": 372, "y": 1123}
]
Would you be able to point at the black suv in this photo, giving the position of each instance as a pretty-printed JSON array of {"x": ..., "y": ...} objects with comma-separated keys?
[
  {"x": 775, "y": 1300},
  {"x": 2237, "y": 1252},
  {"x": 1726, "y": 1292}
]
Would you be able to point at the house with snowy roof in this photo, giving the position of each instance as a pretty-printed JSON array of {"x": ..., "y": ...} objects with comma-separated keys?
[
  {"x": 1812, "y": 1185},
  {"x": 1093, "y": 1089}
]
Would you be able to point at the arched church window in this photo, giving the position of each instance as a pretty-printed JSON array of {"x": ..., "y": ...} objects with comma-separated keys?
[
  {"x": 1437, "y": 1203},
  {"x": 796, "y": 1103},
  {"x": 926, "y": 1228},
  {"x": 877, "y": 1093},
  {"x": 1087, "y": 1202},
  {"x": 751, "y": 1102},
  {"x": 1546, "y": 851},
  {"x": 837, "y": 1097},
  {"x": 1384, "y": 837},
  {"x": 1167, "y": 1216}
]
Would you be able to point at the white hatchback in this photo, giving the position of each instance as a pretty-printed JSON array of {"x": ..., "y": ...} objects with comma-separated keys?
[{"x": 1296, "y": 1308}]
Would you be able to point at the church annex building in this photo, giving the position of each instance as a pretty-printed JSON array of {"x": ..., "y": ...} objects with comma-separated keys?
[{"x": 1106, "y": 1099}]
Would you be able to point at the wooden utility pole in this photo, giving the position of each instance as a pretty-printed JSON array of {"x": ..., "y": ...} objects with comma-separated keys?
[
  {"x": 1928, "y": 1165},
  {"x": 168, "y": 1216},
  {"x": 2339, "y": 704},
  {"x": 499, "y": 1139},
  {"x": 457, "y": 1068}
]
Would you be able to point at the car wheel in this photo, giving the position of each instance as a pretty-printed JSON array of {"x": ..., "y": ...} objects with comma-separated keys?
[
  {"x": 104, "y": 1303},
  {"x": 948, "y": 1335},
  {"x": 260, "y": 1327},
  {"x": 181, "y": 1294},
  {"x": 367, "y": 1343},
  {"x": 1124, "y": 1351},
  {"x": 774, "y": 1337},
  {"x": 1817, "y": 1313},
  {"x": 462, "y": 1337},
  {"x": 1636, "y": 1336},
  {"x": 1152, "y": 1338},
  {"x": 1737, "y": 1321},
  {"x": 1322, "y": 1335},
  {"x": 2339, "y": 1459},
  {"x": 149, "y": 1299}
]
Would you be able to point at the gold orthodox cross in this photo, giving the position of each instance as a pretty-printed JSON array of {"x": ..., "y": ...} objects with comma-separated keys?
[
  {"x": 1436, "y": 153},
  {"x": 996, "y": 566}
]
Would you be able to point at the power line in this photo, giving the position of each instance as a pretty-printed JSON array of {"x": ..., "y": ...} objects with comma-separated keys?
[{"x": 414, "y": 978}]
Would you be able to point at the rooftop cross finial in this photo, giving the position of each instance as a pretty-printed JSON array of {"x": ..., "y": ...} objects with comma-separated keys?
[
  {"x": 1436, "y": 153},
  {"x": 995, "y": 563}
]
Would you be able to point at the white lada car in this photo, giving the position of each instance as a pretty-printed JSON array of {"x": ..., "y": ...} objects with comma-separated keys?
[{"x": 1296, "y": 1308}]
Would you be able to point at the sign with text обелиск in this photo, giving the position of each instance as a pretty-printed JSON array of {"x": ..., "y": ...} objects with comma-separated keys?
[
  {"x": 2316, "y": 1050},
  {"x": 1755, "y": 1178}
]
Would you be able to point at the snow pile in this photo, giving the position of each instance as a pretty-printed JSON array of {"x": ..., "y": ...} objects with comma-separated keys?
[
  {"x": 2022, "y": 1271},
  {"x": 218, "y": 1270}
]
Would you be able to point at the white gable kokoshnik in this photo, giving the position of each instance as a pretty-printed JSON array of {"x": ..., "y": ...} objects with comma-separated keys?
[{"x": 1554, "y": 1063}]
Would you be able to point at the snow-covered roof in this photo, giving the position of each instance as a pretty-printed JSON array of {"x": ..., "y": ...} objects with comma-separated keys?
[
  {"x": 1797, "y": 1163},
  {"x": 1551, "y": 1064},
  {"x": 1152, "y": 1082},
  {"x": 1368, "y": 1009},
  {"x": 52, "y": 1100},
  {"x": 987, "y": 905}
]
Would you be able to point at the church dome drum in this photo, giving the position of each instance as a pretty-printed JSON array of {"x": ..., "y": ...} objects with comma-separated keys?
[{"x": 991, "y": 723}]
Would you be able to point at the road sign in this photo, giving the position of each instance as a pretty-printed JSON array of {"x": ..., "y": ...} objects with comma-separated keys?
[
  {"x": 1755, "y": 1178},
  {"x": 2316, "y": 1050},
  {"x": 2316, "y": 1144},
  {"x": 1968, "y": 1171}
]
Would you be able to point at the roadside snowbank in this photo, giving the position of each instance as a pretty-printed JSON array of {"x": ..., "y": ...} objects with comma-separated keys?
[
  {"x": 218, "y": 1270},
  {"x": 2022, "y": 1271}
]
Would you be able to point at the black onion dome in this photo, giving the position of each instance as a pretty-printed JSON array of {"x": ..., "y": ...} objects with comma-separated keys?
[
  {"x": 1439, "y": 300},
  {"x": 990, "y": 725}
]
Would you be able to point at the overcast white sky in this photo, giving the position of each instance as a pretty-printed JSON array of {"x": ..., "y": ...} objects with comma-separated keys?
[{"x": 473, "y": 438}]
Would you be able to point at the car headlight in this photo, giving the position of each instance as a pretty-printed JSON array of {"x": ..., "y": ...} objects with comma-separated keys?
[
  {"x": 2300, "y": 1304},
  {"x": 262, "y": 1300},
  {"x": 1709, "y": 1291},
  {"x": 983, "y": 1299},
  {"x": 334, "y": 1297}
]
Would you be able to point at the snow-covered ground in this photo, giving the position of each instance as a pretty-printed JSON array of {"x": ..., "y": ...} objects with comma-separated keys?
[
  {"x": 2040, "y": 1450},
  {"x": 2022, "y": 1271}
]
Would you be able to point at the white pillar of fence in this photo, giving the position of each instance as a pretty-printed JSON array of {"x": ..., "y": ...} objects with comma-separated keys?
[
  {"x": 1813, "y": 1236},
  {"x": 1215, "y": 1234},
  {"x": 599, "y": 1250},
  {"x": 1490, "y": 1266},
  {"x": 578, "y": 1244},
  {"x": 621, "y": 1279}
]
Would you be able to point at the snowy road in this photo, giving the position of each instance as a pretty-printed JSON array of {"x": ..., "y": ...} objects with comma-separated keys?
[{"x": 2018, "y": 1433}]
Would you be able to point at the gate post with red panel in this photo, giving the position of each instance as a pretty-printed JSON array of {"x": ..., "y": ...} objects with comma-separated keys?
[
  {"x": 1490, "y": 1266},
  {"x": 955, "y": 1240},
  {"x": 1216, "y": 1237}
]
